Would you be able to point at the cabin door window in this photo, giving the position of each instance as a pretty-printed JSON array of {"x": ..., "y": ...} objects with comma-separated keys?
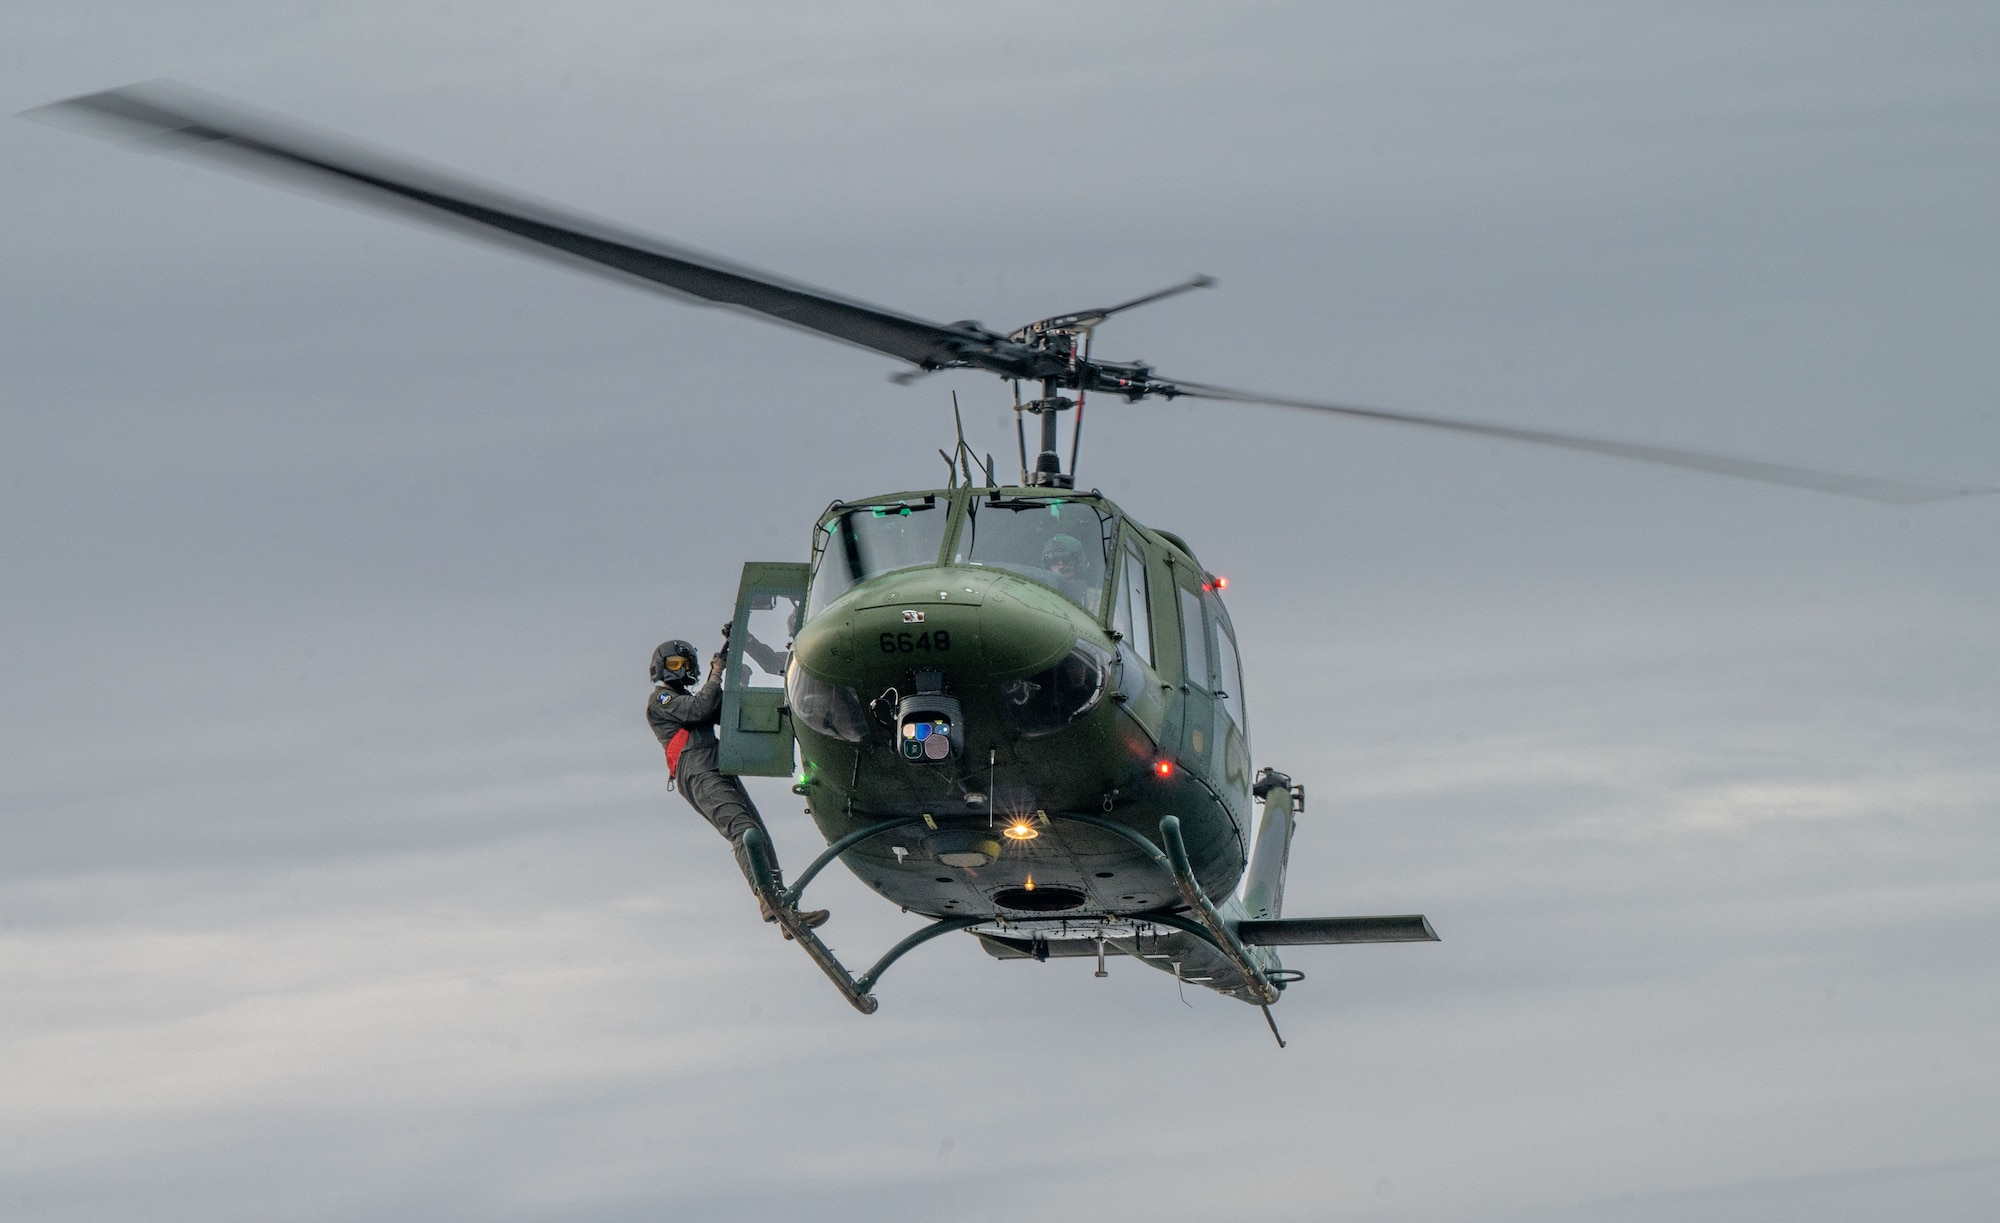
[
  {"x": 756, "y": 729},
  {"x": 1198, "y": 746},
  {"x": 1229, "y": 672},
  {"x": 1195, "y": 651},
  {"x": 1232, "y": 729},
  {"x": 1134, "y": 615}
]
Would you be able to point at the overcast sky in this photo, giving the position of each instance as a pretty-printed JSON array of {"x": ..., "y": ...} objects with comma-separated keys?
[{"x": 338, "y": 875}]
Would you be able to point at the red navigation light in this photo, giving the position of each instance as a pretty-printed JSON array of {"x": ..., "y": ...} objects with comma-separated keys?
[
  {"x": 1164, "y": 768},
  {"x": 1221, "y": 583}
]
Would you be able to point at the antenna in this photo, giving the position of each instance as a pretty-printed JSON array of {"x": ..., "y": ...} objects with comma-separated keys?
[
  {"x": 964, "y": 451},
  {"x": 1274, "y": 1026}
]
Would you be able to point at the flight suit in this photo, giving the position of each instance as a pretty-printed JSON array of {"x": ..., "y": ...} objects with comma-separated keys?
[{"x": 721, "y": 799}]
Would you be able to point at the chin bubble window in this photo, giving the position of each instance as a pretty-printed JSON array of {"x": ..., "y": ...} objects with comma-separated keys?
[
  {"x": 1047, "y": 701},
  {"x": 830, "y": 709}
]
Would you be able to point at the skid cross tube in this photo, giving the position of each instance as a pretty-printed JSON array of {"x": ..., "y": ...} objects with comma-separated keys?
[
  {"x": 787, "y": 914},
  {"x": 1138, "y": 839},
  {"x": 1174, "y": 860},
  {"x": 836, "y": 849},
  {"x": 943, "y": 925}
]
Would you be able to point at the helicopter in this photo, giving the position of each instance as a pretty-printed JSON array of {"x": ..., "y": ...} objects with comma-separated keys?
[{"x": 1010, "y": 707}]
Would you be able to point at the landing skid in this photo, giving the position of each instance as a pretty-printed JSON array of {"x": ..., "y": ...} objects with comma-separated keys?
[
  {"x": 1202, "y": 920},
  {"x": 785, "y": 907}
]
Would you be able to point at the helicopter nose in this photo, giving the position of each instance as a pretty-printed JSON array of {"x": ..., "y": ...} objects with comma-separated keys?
[{"x": 972, "y": 626}]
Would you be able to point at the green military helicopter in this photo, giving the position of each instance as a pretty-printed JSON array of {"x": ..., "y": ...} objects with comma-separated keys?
[{"x": 1010, "y": 707}]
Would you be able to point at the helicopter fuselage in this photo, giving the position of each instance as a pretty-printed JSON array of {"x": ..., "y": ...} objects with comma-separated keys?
[{"x": 980, "y": 663}]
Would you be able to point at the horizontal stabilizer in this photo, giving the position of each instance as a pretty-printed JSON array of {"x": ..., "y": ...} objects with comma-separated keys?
[{"x": 1298, "y": 931}]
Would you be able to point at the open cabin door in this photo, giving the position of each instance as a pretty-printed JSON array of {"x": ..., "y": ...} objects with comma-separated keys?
[{"x": 756, "y": 728}]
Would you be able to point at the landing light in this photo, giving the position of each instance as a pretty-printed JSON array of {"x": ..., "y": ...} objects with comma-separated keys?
[{"x": 1020, "y": 830}]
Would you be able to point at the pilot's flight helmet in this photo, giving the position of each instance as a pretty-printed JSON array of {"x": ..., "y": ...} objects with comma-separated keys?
[
  {"x": 1062, "y": 549},
  {"x": 675, "y": 662}
]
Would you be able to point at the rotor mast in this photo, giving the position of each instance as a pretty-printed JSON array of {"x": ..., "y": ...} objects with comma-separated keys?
[
  {"x": 1048, "y": 469},
  {"x": 1064, "y": 343}
]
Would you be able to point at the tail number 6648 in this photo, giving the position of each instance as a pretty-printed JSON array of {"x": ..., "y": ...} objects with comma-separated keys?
[{"x": 916, "y": 643}]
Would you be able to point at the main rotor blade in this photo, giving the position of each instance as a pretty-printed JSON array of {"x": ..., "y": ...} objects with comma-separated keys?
[
  {"x": 171, "y": 118},
  {"x": 1871, "y": 488},
  {"x": 1092, "y": 318},
  {"x": 1144, "y": 299}
]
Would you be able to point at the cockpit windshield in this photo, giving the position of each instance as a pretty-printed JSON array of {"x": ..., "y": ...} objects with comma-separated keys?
[
  {"x": 1060, "y": 543},
  {"x": 870, "y": 539}
]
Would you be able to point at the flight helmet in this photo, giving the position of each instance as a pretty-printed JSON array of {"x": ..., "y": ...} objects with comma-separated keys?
[
  {"x": 1062, "y": 554},
  {"x": 675, "y": 662}
]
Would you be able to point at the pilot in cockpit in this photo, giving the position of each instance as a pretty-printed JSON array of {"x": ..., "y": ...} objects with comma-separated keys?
[{"x": 1062, "y": 556}]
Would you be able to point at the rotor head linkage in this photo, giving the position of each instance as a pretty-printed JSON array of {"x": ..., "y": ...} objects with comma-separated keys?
[
  {"x": 1048, "y": 472},
  {"x": 1062, "y": 343}
]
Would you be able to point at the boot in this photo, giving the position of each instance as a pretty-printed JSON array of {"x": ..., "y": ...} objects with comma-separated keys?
[{"x": 813, "y": 918}]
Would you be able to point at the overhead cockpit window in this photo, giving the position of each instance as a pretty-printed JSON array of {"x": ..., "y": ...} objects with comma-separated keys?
[
  {"x": 874, "y": 539},
  {"x": 1062, "y": 544}
]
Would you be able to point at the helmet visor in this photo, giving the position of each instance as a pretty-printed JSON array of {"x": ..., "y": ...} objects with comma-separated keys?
[{"x": 676, "y": 662}]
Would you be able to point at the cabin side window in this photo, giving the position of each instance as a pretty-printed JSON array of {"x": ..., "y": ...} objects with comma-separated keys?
[
  {"x": 1198, "y": 659},
  {"x": 1229, "y": 671},
  {"x": 1134, "y": 614},
  {"x": 859, "y": 543}
]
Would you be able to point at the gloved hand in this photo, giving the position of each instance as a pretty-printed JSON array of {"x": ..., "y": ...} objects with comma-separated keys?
[
  {"x": 715, "y": 667},
  {"x": 725, "y": 629}
]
